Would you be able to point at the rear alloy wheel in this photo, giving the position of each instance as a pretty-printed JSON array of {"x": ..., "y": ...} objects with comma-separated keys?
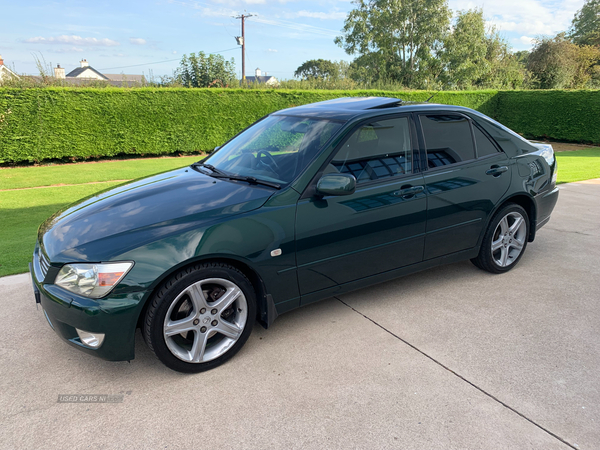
[
  {"x": 505, "y": 240},
  {"x": 201, "y": 317}
]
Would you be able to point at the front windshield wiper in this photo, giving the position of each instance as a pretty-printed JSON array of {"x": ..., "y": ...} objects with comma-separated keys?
[
  {"x": 217, "y": 173},
  {"x": 248, "y": 179},
  {"x": 209, "y": 167}
]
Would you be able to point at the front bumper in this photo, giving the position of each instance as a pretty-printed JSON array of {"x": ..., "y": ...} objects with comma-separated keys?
[{"x": 115, "y": 316}]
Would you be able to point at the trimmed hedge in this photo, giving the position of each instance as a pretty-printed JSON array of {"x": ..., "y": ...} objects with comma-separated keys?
[
  {"x": 554, "y": 114},
  {"x": 79, "y": 123}
]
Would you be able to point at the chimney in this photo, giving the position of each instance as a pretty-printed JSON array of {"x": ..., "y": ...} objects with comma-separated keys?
[
  {"x": 257, "y": 72},
  {"x": 59, "y": 72},
  {"x": 84, "y": 63},
  {"x": 1, "y": 61}
]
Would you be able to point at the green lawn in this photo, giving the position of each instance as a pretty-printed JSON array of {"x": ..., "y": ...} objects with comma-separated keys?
[
  {"x": 23, "y": 177},
  {"x": 578, "y": 165},
  {"x": 23, "y": 210}
]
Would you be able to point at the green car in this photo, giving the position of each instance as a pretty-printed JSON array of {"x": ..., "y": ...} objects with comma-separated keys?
[{"x": 306, "y": 203}]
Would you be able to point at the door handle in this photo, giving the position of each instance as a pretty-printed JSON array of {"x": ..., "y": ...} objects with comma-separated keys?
[
  {"x": 496, "y": 171},
  {"x": 408, "y": 192}
]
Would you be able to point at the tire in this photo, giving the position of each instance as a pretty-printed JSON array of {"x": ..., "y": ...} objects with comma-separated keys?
[
  {"x": 200, "y": 317},
  {"x": 505, "y": 240}
]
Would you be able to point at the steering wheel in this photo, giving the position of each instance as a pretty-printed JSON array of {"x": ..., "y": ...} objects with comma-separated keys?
[{"x": 271, "y": 163}]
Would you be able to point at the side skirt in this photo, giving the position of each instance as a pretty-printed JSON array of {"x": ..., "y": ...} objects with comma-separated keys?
[{"x": 389, "y": 275}]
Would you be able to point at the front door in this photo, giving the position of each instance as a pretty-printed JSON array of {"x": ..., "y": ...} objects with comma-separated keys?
[
  {"x": 378, "y": 228},
  {"x": 467, "y": 175}
]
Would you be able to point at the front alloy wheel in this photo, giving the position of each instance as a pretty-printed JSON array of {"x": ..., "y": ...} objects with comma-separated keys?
[{"x": 200, "y": 317}]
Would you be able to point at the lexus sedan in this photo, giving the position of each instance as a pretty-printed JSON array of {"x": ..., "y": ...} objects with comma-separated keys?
[{"x": 307, "y": 203}]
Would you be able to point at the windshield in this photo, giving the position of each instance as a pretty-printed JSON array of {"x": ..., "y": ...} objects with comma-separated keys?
[{"x": 275, "y": 149}]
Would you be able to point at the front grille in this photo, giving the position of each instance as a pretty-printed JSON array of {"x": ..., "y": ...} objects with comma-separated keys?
[{"x": 44, "y": 263}]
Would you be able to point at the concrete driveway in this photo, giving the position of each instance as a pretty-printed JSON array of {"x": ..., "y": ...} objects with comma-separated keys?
[{"x": 451, "y": 358}]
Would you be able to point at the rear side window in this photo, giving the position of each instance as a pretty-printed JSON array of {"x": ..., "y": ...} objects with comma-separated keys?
[
  {"x": 484, "y": 145},
  {"x": 375, "y": 151},
  {"x": 447, "y": 138}
]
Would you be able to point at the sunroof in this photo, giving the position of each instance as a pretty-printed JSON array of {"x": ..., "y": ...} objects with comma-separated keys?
[{"x": 359, "y": 103}]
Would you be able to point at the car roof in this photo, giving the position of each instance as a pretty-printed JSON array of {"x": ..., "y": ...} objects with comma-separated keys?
[{"x": 347, "y": 108}]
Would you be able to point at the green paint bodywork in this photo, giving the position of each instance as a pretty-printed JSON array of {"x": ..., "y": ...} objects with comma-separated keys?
[{"x": 329, "y": 244}]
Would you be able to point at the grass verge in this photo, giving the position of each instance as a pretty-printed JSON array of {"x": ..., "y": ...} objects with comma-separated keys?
[
  {"x": 22, "y": 212},
  {"x": 25, "y": 177},
  {"x": 578, "y": 165}
]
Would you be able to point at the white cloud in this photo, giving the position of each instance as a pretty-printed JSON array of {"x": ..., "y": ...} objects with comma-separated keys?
[
  {"x": 301, "y": 27},
  {"x": 216, "y": 12},
  {"x": 526, "y": 40},
  {"x": 73, "y": 39},
  {"x": 525, "y": 17},
  {"x": 238, "y": 2},
  {"x": 137, "y": 41},
  {"x": 174, "y": 52},
  {"x": 272, "y": 50},
  {"x": 68, "y": 50},
  {"x": 332, "y": 15}
]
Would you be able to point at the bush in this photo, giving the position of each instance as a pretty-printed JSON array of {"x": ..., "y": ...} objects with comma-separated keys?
[
  {"x": 79, "y": 123},
  {"x": 560, "y": 115}
]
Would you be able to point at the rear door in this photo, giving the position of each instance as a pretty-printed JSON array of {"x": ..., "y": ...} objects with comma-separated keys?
[
  {"x": 378, "y": 228},
  {"x": 466, "y": 176}
]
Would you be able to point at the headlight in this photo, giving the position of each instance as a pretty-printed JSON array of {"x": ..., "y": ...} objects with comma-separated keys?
[{"x": 92, "y": 280}]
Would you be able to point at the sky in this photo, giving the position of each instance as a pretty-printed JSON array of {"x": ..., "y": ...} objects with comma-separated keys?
[{"x": 150, "y": 37}]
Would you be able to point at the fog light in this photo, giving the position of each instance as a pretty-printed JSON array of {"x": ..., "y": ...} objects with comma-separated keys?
[{"x": 93, "y": 340}]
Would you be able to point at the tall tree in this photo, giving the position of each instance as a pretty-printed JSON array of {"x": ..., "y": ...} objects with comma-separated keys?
[
  {"x": 317, "y": 68},
  {"x": 476, "y": 56},
  {"x": 465, "y": 50},
  {"x": 558, "y": 63},
  {"x": 585, "y": 28},
  {"x": 203, "y": 70},
  {"x": 399, "y": 37}
]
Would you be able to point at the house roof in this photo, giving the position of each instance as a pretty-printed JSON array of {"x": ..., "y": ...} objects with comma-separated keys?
[
  {"x": 80, "y": 70},
  {"x": 6, "y": 69},
  {"x": 89, "y": 81},
  {"x": 260, "y": 79}
]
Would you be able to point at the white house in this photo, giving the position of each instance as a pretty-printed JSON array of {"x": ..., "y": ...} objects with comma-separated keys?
[
  {"x": 5, "y": 71},
  {"x": 87, "y": 73},
  {"x": 266, "y": 79}
]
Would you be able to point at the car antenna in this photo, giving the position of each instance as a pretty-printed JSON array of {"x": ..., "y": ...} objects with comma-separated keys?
[{"x": 433, "y": 95}]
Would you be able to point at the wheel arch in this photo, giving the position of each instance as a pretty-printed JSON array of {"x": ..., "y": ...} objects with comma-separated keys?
[
  {"x": 523, "y": 200},
  {"x": 265, "y": 308}
]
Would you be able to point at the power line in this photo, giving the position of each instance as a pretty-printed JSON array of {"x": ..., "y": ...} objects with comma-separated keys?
[
  {"x": 298, "y": 26},
  {"x": 164, "y": 61},
  {"x": 278, "y": 23}
]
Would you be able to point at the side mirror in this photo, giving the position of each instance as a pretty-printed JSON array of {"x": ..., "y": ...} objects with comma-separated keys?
[{"x": 336, "y": 184}]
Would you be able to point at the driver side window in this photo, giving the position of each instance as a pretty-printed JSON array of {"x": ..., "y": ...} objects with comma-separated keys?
[{"x": 375, "y": 151}]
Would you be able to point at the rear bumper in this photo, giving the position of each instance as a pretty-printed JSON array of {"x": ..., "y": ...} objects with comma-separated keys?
[
  {"x": 544, "y": 205},
  {"x": 115, "y": 316}
]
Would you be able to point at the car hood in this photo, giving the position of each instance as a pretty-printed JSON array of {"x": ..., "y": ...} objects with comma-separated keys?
[{"x": 114, "y": 221}]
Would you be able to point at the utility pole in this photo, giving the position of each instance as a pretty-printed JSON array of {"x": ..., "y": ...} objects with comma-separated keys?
[{"x": 242, "y": 41}]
